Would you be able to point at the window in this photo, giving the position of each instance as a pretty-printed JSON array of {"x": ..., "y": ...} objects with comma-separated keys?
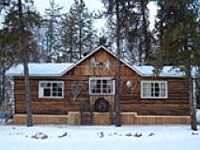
[
  {"x": 98, "y": 86},
  {"x": 51, "y": 89},
  {"x": 154, "y": 89}
]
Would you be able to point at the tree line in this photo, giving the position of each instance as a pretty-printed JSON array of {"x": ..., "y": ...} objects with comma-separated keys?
[{"x": 26, "y": 36}]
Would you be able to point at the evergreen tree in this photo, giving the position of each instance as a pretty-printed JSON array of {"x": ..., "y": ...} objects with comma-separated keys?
[
  {"x": 69, "y": 37},
  {"x": 6, "y": 60},
  {"x": 39, "y": 55},
  {"x": 19, "y": 22},
  {"x": 178, "y": 40},
  {"x": 52, "y": 38},
  {"x": 4, "y": 4},
  {"x": 78, "y": 32},
  {"x": 146, "y": 35},
  {"x": 136, "y": 37},
  {"x": 103, "y": 40}
]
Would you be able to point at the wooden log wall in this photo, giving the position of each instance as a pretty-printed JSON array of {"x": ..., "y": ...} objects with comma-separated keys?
[{"x": 177, "y": 102}]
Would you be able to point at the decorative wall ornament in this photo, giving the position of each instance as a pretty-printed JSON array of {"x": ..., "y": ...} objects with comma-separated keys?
[
  {"x": 101, "y": 105},
  {"x": 76, "y": 89},
  {"x": 129, "y": 84},
  {"x": 94, "y": 63},
  {"x": 107, "y": 64}
]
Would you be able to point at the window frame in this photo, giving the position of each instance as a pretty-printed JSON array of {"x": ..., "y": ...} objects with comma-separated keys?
[
  {"x": 41, "y": 93},
  {"x": 102, "y": 78},
  {"x": 154, "y": 97}
]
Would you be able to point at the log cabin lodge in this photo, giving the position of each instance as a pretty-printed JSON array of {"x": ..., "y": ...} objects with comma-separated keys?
[{"x": 84, "y": 92}]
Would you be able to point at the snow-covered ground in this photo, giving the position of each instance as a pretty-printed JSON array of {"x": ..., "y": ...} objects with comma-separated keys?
[{"x": 63, "y": 137}]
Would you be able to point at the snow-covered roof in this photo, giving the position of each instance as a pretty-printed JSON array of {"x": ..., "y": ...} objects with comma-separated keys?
[
  {"x": 167, "y": 71},
  {"x": 58, "y": 69},
  {"x": 40, "y": 69},
  {"x": 147, "y": 70}
]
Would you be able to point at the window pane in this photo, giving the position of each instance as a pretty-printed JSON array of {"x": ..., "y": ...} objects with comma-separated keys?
[
  {"x": 60, "y": 94},
  {"x": 48, "y": 84},
  {"x": 93, "y": 82},
  {"x": 57, "y": 89},
  {"x": 145, "y": 94},
  {"x": 54, "y": 94},
  {"x": 146, "y": 89},
  {"x": 60, "y": 85},
  {"x": 104, "y": 86},
  {"x": 162, "y": 89},
  {"x": 92, "y": 90},
  {"x": 55, "y": 85},
  {"x": 154, "y": 89},
  {"x": 43, "y": 85},
  {"x": 51, "y": 89},
  {"x": 98, "y": 90},
  {"x": 110, "y": 86},
  {"x": 92, "y": 86},
  {"x": 98, "y": 86},
  {"x": 47, "y": 92},
  {"x": 101, "y": 86},
  {"x": 162, "y": 93}
]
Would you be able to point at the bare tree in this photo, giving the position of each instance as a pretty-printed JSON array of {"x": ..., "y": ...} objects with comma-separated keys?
[{"x": 118, "y": 106}]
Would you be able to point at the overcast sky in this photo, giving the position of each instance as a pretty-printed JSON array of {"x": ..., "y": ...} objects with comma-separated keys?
[{"x": 93, "y": 5}]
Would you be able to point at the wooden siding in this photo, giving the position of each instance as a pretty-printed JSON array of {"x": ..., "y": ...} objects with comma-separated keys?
[
  {"x": 177, "y": 102},
  {"x": 73, "y": 118},
  {"x": 42, "y": 119}
]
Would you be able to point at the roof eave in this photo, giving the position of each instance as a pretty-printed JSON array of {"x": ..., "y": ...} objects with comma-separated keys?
[{"x": 35, "y": 75}]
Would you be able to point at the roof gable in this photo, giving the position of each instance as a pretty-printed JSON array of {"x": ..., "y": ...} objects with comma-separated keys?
[{"x": 101, "y": 48}]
